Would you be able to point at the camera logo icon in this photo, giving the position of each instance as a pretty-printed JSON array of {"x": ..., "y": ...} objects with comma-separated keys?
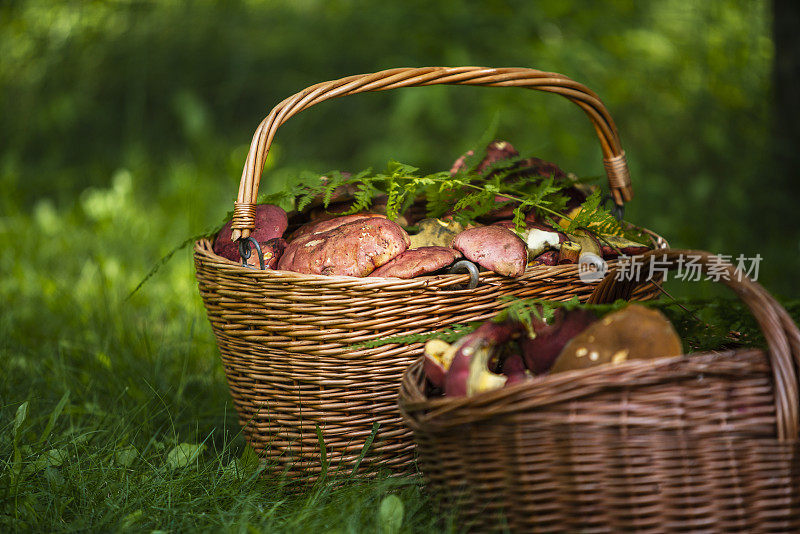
[{"x": 591, "y": 268}]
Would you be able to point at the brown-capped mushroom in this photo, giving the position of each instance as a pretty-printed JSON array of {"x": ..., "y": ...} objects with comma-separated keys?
[
  {"x": 355, "y": 248},
  {"x": 417, "y": 262},
  {"x": 495, "y": 151},
  {"x": 495, "y": 248},
  {"x": 270, "y": 223},
  {"x": 634, "y": 332},
  {"x": 514, "y": 369},
  {"x": 538, "y": 237}
]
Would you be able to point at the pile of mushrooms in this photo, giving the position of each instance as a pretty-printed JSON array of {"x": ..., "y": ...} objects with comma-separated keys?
[
  {"x": 505, "y": 353},
  {"x": 322, "y": 241}
]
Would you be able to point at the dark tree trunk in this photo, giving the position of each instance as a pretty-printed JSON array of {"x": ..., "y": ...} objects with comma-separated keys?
[{"x": 786, "y": 77}]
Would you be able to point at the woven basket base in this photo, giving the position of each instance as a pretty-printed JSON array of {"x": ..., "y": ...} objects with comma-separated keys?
[
  {"x": 292, "y": 348},
  {"x": 688, "y": 446}
]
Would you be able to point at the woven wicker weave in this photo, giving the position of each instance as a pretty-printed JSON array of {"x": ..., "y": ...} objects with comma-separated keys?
[
  {"x": 290, "y": 342},
  {"x": 700, "y": 443}
]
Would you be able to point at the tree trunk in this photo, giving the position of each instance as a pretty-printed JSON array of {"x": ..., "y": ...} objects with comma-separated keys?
[{"x": 786, "y": 77}]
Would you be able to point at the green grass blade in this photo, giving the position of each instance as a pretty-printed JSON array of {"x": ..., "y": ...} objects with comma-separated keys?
[
  {"x": 56, "y": 413},
  {"x": 365, "y": 448},
  {"x": 323, "y": 453}
]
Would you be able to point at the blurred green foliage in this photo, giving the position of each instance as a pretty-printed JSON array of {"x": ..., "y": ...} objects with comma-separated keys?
[{"x": 170, "y": 92}]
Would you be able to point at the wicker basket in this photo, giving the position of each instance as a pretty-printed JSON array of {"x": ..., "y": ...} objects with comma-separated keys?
[
  {"x": 700, "y": 443},
  {"x": 289, "y": 341}
]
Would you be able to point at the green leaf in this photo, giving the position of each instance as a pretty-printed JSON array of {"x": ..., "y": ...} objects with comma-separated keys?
[
  {"x": 129, "y": 520},
  {"x": 19, "y": 418},
  {"x": 362, "y": 198},
  {"x": 184, "y": 454},
  {"x": 471, "y": 200},
  {"x": 519, "y": 218},
  {"x": 335, "y": 179},
  {"x": 126, "y": 456},
  {"x": 367, "y": 445},
  {"x": 395, "y": 168},
  {"x": 54, "y": 417},
  {"x": 50, "y": 458},
  {"x": 449, "y": 334},
  {"x": 390, "y": 514}
]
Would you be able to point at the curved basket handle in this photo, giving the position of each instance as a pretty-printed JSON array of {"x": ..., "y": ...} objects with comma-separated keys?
[
  {"x": 613, "y": 156},
  {"x": 782, "y": 335}
]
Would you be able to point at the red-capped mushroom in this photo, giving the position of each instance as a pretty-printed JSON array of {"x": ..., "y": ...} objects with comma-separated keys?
[
  {"x": 324, "y": 224},
  {"x": 417, "y": 262},
  {"x": 494, "y": 248},
  {"x": 549, "y": 338},
  {"x": 270, "y": 223},
  {"x": 355, "y": 248}
]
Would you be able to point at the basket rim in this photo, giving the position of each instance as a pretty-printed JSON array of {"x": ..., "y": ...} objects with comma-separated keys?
[
  {"x": 203, "y": 248},
  {"x": 547, "y": 390}
]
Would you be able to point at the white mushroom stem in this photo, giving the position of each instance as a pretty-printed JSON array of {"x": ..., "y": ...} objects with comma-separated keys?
[{"x": 540, "y": 240}]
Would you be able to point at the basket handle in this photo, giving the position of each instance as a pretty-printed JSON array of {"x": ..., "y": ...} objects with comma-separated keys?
[
  {"x": 613, "y": 156},
  {"x": 782, "y": 335}
]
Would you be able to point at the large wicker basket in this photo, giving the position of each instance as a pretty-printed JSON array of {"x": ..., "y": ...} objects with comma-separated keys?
[
  {"x": 699, "y": 443},
  {"x": 290, "y": 342}
]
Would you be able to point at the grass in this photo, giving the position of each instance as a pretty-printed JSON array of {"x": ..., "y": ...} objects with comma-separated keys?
[
  {"x": 116, "y": 418},
  {"x": 114, "y": 411}
]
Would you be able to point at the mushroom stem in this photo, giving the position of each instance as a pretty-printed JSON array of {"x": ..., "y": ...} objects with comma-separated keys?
[{"x": 570, "y": 252}]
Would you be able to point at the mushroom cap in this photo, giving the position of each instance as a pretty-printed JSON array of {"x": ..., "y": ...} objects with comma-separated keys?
[
  {"x": 540, "y": 351},
  {"x": 270, "y": 222},
  {"x": 569, "y": 253},
  {"x": 634, "y": 332},
  {"x": 324, "y": 224},
  {"x": 549, "y": 258},
  {"x": 438, "y": 357},
  {"x": 417, "y": 261},
  {"x": 514, "y": 368},
  {"x": 354, "y": 248},
  {"x": 495, "y": 248}
]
